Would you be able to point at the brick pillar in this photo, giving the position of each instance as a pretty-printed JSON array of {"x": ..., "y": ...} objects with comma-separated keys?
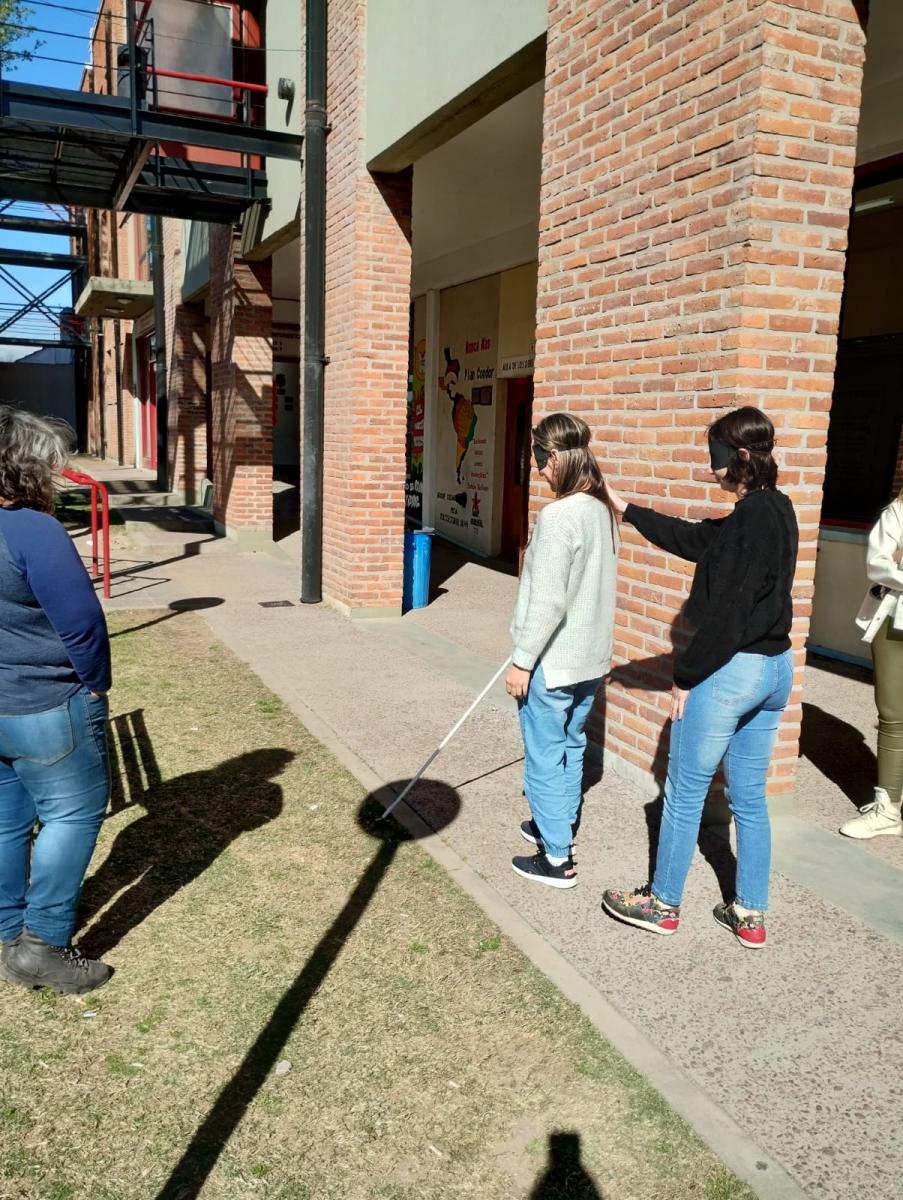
[
  {"x": 697, "y": 170},
  {"x": 186, "y": 376},
  {"x": 368, "y": 271},
  {"x": 241, "y": 324}
]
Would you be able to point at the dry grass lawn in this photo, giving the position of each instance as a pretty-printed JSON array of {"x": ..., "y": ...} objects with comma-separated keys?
[{"x": 301, "y": 1010}]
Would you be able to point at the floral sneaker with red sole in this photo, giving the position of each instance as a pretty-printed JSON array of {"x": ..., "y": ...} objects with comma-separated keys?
[
  {"x": 642, "y": 909},
  {"x": 748, "y": 930}
]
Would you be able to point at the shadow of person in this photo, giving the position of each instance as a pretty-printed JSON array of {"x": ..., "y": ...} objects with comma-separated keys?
[
  {"x": 437, "y": 805},
  {"x": 565, "y": 1177},
  {"x": 839, "y": 751},
  {"x": 188, "y": 823}
]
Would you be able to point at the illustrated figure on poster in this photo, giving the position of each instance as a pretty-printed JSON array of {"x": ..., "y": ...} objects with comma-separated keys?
[
  {"x": 416, "y": 410},
  {"x": 463, "y": 414},
  {"x": 418, "y": 407}
]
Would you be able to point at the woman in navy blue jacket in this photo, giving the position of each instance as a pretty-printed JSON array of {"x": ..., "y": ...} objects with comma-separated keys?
[{"x": 54, "y": 679}]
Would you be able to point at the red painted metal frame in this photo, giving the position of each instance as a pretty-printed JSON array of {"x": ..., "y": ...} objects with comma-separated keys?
[
  {"x": 97, "y": 491},
  {"x": 233, "y": 83}
]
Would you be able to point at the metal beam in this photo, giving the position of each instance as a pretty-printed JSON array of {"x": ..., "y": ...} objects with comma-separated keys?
[
  {"x": 28, "y": 295},
  {"x": 65, "y": 109},
  {"x": 41, "y": 258},
  {"x": 191, "y": 194},
  {"x": 35, "y": 302},
  {"x": 129, "y": 172},
  {"x": 43, "y": 225},
  {"x": 61, "y": 343}
]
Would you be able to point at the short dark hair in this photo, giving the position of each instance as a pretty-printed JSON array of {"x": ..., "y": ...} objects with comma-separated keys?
[{"x": 748, "y": 428}]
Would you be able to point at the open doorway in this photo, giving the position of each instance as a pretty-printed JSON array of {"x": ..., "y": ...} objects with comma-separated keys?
[
  {"x": 516, "y": 479},
  {"x": 147, "y": 403}
]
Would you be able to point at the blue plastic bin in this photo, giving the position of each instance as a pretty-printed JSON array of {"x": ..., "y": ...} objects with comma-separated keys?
[{"x": 418, "y": 551}]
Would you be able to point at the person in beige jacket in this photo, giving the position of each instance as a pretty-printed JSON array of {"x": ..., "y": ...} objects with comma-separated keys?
[{"x": 881, "y": 620}]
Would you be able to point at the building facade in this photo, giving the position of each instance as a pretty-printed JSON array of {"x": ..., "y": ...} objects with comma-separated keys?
[{"x": 643, "y": 213}]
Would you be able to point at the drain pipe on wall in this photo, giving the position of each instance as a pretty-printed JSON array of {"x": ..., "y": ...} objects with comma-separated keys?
[
  {"x": 156, "y": 252},
  {"x": 316, "y": 129}
]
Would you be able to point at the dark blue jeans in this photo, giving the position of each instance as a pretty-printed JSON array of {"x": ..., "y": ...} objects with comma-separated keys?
[{"x": 54, "y": 768}]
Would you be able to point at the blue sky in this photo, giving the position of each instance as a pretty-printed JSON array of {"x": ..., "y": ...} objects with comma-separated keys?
[{"x": 68, "y": 26}]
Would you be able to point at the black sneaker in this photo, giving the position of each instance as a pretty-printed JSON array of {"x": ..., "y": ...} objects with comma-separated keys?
[
  {"x": 540, "y": 870},
  {"x": 529, "y": 831},
  {"x": 34, "y": 963}
]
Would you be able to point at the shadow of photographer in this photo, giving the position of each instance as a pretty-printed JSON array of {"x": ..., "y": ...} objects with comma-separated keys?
[{"x": 438, "y": 805}]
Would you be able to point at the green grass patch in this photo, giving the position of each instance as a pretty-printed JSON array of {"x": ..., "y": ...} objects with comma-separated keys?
[
  {"x": 73, "y": 509},
  {"x": 301, "y": 1009}
]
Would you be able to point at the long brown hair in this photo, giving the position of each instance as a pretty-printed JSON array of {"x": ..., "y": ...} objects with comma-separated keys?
[
  {"x": 578, "y": 471},
  {"x": 31, "y": 449}
]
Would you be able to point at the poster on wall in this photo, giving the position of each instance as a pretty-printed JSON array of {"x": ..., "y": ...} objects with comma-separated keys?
[
  {"x": 413, "y": 484},
  {"x": 286, "y": 403},
  {"x": 466, "y": 420}
]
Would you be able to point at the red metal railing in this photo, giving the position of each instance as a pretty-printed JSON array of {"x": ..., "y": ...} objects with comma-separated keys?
[
  {"x": 232, "y": 83},
  {"x": 98, "y": 491}
]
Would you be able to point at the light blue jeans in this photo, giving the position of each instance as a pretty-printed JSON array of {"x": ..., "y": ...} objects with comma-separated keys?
[
  {"x": 54, "y": 769},
  {"x": 553, "y": 724},
  {"x": 733, "y": 715}
]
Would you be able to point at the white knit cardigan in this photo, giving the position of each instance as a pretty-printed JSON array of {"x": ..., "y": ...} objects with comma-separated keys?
[{"x": 564, "y": 615}]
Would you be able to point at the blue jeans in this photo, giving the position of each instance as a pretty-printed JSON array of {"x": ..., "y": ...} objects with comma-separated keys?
[
  {"x": 54, "y": 769},
  {"x": 553, "y": 723},
  {"x": 733, "y": 715}
]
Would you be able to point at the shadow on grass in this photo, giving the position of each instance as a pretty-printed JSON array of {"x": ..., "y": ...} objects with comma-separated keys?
[
  {"x": 565, "y": 1177},
  {"x": 188, "y": 823},
  {"x": 191, "y": 604},
  {"x": 438, "y": 806}
]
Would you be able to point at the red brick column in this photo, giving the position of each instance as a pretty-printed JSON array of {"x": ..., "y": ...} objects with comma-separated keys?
[
  {"x": 187, "y": 382},
  {"x": 368, "y": 272},
  {"x": 241, "y": 326},
  {"x": 697, "y": 168},
  {"x": 186, "y": 375}
]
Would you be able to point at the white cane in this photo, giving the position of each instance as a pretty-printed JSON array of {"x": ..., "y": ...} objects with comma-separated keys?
[{"x": 448, "y": 737}]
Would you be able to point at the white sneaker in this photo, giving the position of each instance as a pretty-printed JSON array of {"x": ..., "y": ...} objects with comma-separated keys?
[{"x": 876, "y": 819}]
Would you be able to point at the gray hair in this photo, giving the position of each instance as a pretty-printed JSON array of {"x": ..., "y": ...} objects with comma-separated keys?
[{"x": 31, "y": 449}]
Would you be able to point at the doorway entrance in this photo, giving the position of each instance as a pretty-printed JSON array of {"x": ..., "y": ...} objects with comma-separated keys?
[
  {"x": 147, "y": 403},
  {"x": 516, "y": 478}
]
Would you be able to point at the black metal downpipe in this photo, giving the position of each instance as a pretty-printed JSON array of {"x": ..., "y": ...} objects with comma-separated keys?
[
  {"x": 156, "y": 252},
  {"x": 315, "y": 132}
]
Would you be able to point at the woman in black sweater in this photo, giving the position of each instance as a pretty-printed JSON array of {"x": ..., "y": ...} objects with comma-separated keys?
[{"x": 732, "y": 682}]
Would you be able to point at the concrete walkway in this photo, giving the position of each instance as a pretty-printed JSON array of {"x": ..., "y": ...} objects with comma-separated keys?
[{"x": 788, "y": 1062}]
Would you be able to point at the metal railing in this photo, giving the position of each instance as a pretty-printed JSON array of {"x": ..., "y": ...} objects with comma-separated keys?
[{"x": 98, "y": 493}]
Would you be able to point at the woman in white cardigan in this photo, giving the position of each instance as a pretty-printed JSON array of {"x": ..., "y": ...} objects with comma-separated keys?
[
  {"x": 881, "y": 622},
  {"x": 562, "y": 630}
]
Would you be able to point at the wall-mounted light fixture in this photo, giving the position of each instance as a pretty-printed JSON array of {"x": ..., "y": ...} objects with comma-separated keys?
[{"x": 862, "y": 206}]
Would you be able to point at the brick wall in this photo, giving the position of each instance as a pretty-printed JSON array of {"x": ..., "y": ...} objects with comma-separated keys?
[
  {"x": 186, "y": 375},
  {"x": 368, "y": 268},
  {"x": 697, "y": 168},
  {"x": 241, "y": 326},
  {"x": 110, "y": 423}
]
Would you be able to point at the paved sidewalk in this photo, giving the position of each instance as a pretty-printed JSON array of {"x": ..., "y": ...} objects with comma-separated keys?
[{"x": 786, "y": 1061}]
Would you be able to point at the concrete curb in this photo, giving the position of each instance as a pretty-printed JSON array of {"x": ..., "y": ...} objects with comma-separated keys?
[{"x": 715, "y": 1127}]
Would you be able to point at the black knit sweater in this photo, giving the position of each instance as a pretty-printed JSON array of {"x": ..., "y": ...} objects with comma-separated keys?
[{"x": 740, "y": 598}]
